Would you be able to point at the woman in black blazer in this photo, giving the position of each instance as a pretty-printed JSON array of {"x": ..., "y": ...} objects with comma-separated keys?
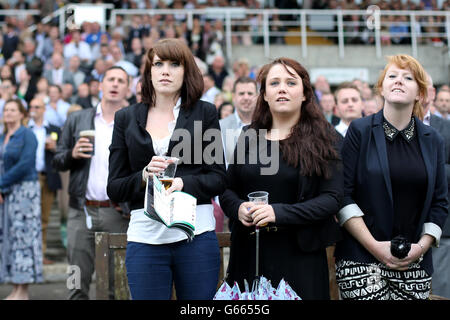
[
  {"x": 168, "y": 122},
  {"x": 304, "y": 180},
  {"x": 395, "y": 186}
]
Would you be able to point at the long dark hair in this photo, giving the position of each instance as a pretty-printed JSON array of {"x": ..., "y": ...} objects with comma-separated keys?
[
  {"x": 311, "y": 143},
  {"x": 173, "y": 50}
]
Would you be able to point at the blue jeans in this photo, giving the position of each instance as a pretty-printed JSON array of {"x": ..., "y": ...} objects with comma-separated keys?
[{"x": 192, "y": 266}]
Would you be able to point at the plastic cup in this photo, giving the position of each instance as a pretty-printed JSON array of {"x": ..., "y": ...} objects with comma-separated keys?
[
  {"x": 259, "y": 197},
  {"x": 167, "y": 175}
]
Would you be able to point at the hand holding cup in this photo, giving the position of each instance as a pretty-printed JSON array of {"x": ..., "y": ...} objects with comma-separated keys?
[
  {"x": 262, "y": 213},
  {"x": 83, "y": 149}
]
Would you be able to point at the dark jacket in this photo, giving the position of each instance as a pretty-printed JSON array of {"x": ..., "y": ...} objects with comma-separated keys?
[
  {"x": 62, "y": 161},
  {"x": 443, "y": 127},
  {"x": 367, "y": 183},
  {"x": 132, "y": 149},
  {"x": 19, "y": 158},
  {"x": 85, "y": 103}
]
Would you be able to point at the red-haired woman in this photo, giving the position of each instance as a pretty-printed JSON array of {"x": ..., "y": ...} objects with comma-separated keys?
[{"x": 395, "y": 188}]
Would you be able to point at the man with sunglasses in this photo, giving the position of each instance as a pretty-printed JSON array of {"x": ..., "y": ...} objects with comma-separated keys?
[{"x": 49, "y": 179}]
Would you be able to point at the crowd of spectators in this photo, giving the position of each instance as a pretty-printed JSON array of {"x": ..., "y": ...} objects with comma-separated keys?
[
  {"x": 33, "y": 62},
  {"x": 208, "y": 35},
  {"x": 65, "y": 70}
]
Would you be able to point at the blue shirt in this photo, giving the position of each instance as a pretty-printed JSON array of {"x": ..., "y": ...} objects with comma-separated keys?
[
  {"x": 57, "y": 117},
  {"x": 19, "y": 158}
]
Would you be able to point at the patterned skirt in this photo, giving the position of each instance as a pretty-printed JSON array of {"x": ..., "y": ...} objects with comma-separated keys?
[
  {"x": 374, "y": 281},
  {"x": 21, "y": 235}
]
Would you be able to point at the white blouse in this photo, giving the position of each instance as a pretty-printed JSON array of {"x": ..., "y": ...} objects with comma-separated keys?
[{"x": 143, "y": 229}]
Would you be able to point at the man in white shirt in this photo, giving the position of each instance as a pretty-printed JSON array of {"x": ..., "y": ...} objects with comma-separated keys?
[
  {"x": 210, "y": 91},
  {"x": 49, "y": 179},
  {"x": 56, "y": 109},
  {"x": 90, "y": 208},
  {"x": 58, "y": 74},
  {"x": 118, "y": 59},
  {"x": 79, "y": 48},
  {"x": 244, "y": 97},
  {"x": 349, "y": 105}
]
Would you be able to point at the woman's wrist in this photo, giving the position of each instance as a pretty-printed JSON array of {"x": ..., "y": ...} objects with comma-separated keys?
[{"x": 422, "y": 247}]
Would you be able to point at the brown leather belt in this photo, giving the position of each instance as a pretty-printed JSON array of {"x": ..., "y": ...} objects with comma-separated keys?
[{"x": 95, "y": 203}]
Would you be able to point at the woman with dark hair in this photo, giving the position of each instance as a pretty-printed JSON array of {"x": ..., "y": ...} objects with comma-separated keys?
[
  {"x": 305, "y": 192},
  {"x": 395, "y": 193},
  {"x": 156, "y": 255},
  {"x": 27, "y": 86},
  {"x": 225, "y": 109},
  {"x": 20, "y": 209}
]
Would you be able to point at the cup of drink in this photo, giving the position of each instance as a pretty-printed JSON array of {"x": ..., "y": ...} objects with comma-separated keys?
[
  {"x": 167, "y": 175},
  {"x": 89, "y": 134},
  {"x": 259, "y": 197}
]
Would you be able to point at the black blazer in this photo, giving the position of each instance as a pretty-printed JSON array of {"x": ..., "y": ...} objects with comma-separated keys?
[
  {"x": 131, "y": 150},
  {"x": 311, "y": 218},
  {"x": 367, "y": 183}
]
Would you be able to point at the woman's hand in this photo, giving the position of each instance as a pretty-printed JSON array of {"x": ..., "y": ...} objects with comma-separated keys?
[
  {"x": 262, "y": 214},
  {"x": 414, "y": 255},
  {"x": 383, "y": 254},
  {"x": 157, "y": 164},
  {"x": 177, "y": 185},
  {"x": 1, "y": 199},
  {"x": 244, "y": 215}
]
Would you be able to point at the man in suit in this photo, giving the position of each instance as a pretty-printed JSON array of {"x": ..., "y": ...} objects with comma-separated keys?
[
  {"x": 321, "y": 86},
  {"x": 244, "y": 96},
  {"x": 218, "y": 71},
  {"x": 34, "y": 64},
  {"x": 90, "y": 208},
  {"x": 10, "y": 41},
  {"x": 58, "y": 74},
  {"x": 88, "y": 94},
  {"x": 442, "y": 104},
  {"x": 349, "y": 105},
  {"x": 50, "y": 181},
  {"x": 328, "y": 104},
  {"x": 441, "y": 256}
]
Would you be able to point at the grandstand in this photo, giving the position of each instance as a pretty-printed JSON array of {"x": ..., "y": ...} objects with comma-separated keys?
[{"x": 344, "y": 39}]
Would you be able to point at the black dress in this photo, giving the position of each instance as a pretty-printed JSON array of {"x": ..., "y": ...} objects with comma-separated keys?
[{"x": 280, "y": 255}]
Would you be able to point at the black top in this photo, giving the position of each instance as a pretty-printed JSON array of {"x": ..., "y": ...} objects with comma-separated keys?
[
  {"x": 304, "y": 209},
  {"x": 282, "y": 186},
  {"x": 408, "y": 177}
]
